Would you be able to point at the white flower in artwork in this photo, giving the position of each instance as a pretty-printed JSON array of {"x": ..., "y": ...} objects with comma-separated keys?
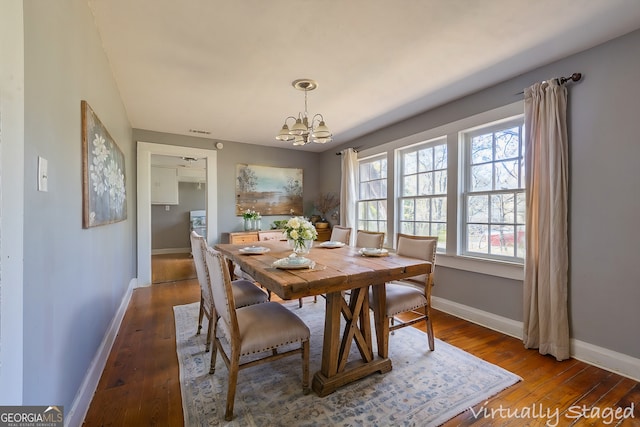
[
  {"x": 107, "y": 179},
  {"x": 92, "y": 218},
  {"x": 114, "y": 181},
  {"x": 100, "y": 151}
]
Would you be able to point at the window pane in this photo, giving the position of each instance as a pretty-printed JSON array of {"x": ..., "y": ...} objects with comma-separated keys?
[
  {"x": 507, "y": 175},
  {"x": 422, "y": 229},
  {"x": 408, "y": 210},
  {"x": 520, "y": 245},
  {"x": 481, "y": 177},
  {"x": 425, "y": 183},
  {"x": 374, "y": 171},
  {"x": 521, "y": 208},
  {"x": 502, "y": 208},
  {"x": 425, "y": 157},
  {"x": 440, "y": 156},
  {"x": 382, "y": 210},
  {"x": 422, "y": 210},
  {"x": 440, "y": 182},
  {"x": 406, "y": 227},
  {"x": 507, "y": 143},
  {"x": 477, "y": 238},
  {"x": 383, "y": 189},
  {"x": 477, "y": 209},
  {"x": 481, "y": 148},
  {"x": 363, "y": 190},
  {"x": 440, "y": 230},
  {"x": 362, "y": 209},
  {"x": 410, "y": 163},
  {"x": 439, "y": 209},
  {"x": 364, "y": 172},
  {"x": 502, "y": 240}
]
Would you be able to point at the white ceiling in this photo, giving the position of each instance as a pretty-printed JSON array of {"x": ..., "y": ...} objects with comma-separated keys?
[{"x": 226, "y": 67}]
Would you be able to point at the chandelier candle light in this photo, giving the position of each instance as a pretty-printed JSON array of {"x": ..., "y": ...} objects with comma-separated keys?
[{"x": 304, "y": 131}]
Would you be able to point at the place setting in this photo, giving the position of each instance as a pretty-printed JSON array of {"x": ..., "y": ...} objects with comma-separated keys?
[
  {"x": 373, "y": 252},
  {"x": 253, "y": 250},
  {"x": 331, "y": 244}
]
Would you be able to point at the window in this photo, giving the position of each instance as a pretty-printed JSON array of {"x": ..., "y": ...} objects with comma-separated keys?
[
  {"x": 372, "y": 194},
  {"x": 493, "y": 222},
  {"x": 422, "y": 202}
]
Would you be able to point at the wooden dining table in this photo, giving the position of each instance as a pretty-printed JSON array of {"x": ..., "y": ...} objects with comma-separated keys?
[{"x": 334, "y": 272}]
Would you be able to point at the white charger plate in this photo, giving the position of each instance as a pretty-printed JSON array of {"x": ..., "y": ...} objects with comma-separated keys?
[
  {"x": 373, "y": 252},
  {"x": 254, "y": 250},
  {"x": 296, "y": 263},
  {"x": 331, "y": 244}
]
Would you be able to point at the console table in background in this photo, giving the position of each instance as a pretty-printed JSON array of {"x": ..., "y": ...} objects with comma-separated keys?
[{"x": 239, "y": 237}]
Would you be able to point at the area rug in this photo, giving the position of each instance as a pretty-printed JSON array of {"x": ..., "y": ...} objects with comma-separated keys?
[{"x": 424, "y": 388}]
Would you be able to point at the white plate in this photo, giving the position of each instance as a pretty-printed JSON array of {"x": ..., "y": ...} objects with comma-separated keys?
[
  {"x": 374, "y": 252},
  {"x": 293, "y": 263},
  {"x": 331, "y": 244},
  {"x": 254, "y": 250}
]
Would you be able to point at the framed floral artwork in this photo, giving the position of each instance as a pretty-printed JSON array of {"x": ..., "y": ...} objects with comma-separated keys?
[{"x": 104, "y": 198}]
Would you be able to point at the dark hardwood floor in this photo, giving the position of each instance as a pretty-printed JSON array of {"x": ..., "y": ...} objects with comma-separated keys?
[{"x": 140, "y": 383}]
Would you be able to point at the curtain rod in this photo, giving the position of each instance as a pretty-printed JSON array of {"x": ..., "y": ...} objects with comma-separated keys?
[
  {"x": 354, "y": 149},
  {"x": 562, "y": 80}
]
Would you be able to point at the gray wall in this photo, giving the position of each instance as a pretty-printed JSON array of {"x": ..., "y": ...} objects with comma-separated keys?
[
  {"x": 170, "y": 229},
  {"x": 74, "y": 279},
  {"x": 234, "y": 153},
  {"x": 604, "y": 288}
]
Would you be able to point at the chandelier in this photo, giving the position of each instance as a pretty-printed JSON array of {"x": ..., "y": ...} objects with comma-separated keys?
[{"x": 305, "y": 131}]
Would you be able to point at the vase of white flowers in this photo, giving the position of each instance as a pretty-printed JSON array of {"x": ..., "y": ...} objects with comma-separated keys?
[
  {"x": 251, "y": 220},
  {"x": 300, "y": 233}
]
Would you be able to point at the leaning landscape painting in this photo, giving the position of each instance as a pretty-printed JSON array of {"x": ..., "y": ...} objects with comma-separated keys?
[{"x": 268, "y": 190}]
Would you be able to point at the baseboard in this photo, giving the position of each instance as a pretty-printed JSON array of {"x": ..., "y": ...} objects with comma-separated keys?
[
  {"x": 170, "y": 251},
  {"x": 489, "y": 320},
  {"x": 601, "y": 357},
  {"x": 83, "y": 398},
  {"x": 610, "y": 360}
]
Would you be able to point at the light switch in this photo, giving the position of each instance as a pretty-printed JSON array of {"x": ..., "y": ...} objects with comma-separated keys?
[{"x": 42, "y": 174}]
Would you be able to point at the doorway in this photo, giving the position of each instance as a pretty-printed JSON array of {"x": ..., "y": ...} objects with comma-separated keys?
[{"x": 145, "y": 150}]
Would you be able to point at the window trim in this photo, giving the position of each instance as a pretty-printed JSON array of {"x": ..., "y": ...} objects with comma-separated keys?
[
  {"x": 464, "y": 173},
  {"x": 399, "y": 197}
]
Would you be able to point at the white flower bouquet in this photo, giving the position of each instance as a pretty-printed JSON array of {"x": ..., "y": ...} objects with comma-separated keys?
[{"x": 300, "y": 233}]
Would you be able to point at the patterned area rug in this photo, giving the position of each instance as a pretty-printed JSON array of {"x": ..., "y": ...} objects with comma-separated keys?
[{"x": 423, "y": 389}]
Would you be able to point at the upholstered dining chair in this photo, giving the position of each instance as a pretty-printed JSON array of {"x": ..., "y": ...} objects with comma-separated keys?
[
  {"x": 251, "y": 330},
  {"x": 414, "y": 293},
  {"x": 341, "y": 234},
  {"x": 369, "y": 239},
  {"x": 244, "y": 291}
]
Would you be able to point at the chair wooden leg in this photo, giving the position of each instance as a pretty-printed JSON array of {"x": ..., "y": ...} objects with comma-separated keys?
[
  {"x": 233, "y": 381},
  {"x": 429, "y": 330},
  {"x": 214, "y": 351},
  {"x": 305, "y": 367},
  {"x": 209, "y": 328},
  {"x": 200, "y": 316}
]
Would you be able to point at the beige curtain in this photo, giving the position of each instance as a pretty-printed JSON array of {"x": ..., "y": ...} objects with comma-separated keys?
[
  {"x": 348, "y": 192},
  {"x": 546, "y": 324}
]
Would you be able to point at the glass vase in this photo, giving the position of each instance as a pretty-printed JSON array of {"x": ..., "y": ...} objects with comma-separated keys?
[
  {"x": 300, "y": 247},
  {"x": 248, "y": 224}
]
